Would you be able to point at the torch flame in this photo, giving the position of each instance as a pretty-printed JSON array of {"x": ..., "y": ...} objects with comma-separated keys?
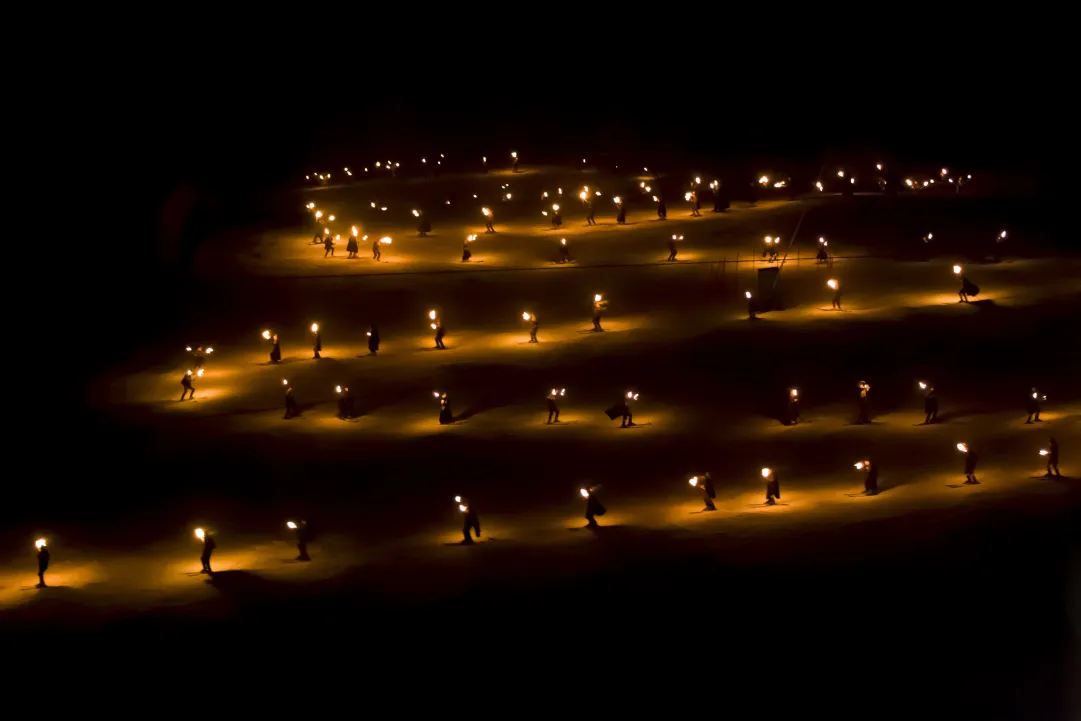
[
  {"x": 923, "y": 386},
  {"x": 617, "y": 200},
  {"x": 747, "y": 293},
  {"x": 962, "y": 447},
  {"x": 763, "y": 180},
  {"x": 318, "y": 214},
  {"x": 526, "y": 316},
  {"x": 794, "y": 392},
  {"x": 200, "y": 533},
  {"x": 315, "y": 327},
  {"x": 555, "y": 207},
  {"x": 859, "y": 466},
  {"x": 385, "y": 240},
  {"x": 292, "y": 526},
  {"x": 354, "y": 231},
  {"x": 584, "y": 492},
  {"x": 562, "y": 241},
  {"x": 832, "y": 283},
  {"x": 416, "y": 213},
  {"x": 200, "y": 373},
  {"x": 766, "y": 472},
  {"x": 1044, "y": 452},
  {"x": 693, "y": 480},
  {"x": 39, "y": 544},
  {"x": 457, "y": 499},
  {"x": 957, "y": 270},
  {"x": 462, "y": 507},
  {"x": 485, "y": 210},
  {"x": 266, "y": 334},
  {"x": 597, "y": 297},
  {"x": 431, "y": 314},
  {"x": 285, "y": 382},
  {"x": 188, "y": 348},
  {"x": 337, "y": 389}
]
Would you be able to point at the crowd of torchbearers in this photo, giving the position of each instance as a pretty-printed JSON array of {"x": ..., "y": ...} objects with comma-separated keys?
[{"x": 594, "y": 509}]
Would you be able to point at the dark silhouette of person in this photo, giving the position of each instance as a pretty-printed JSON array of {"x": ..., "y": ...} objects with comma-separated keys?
[
  {"x": 275, "y": 349},
  {"x": 589, "y": 212},
  {"x": 291, "y": 410},
  {"x": 373, "y": 340},
  {"x": 837, "y": 297},
  {"x": 352, "y": 246},
  {"x": 198, "y": 357},
  {"x": 489, "y": 218},
  {"x": 671, "y": 249},
  {"x": 930, "y": 405},
  {"x": 865, "y": 403},
  {"x": 445, "y": 414},
  {"x": 328, "y": 245},
  {"x": 621, "y": 214},
  {"x": 346, "y": 407},
  {"x": 466, "y": 252},
  {"x": 208, "y": 548},
  {"x": 599, "y": 306},
  {"x": 773, "y": 488},
  {"x": 971, "y": 459},
  {"x": 752, "y": 306},
  {"x": 594, "y": 507},
  {"x": 822, "y": 255},
  {"x": 1034, "y": 407},
  {"x": 317, "y": 345},
  {"x": 534, "y": 326},
  {"x": 720, "y": 199},
  {"x": 557, "y": 219},
  {"x": 470, "y": 522},
  {"x": 752, "y": 195},
  {"x": 185, "y": 383},
  {"x": 423, "y": 226},
  {"x": 301, "y": 531},
  {"x": 515, "y": 163},
  {"x": 870, "y": 479},
  {"x": 624, "y": 412},
  {"x": 793, "y": 407},
  {"x": 564, "y": 251},
  {"x": 968, "y": 288},
  {"x": 377, "y": 252},
  {"x": 553, "y": 409},
  {"x": 695, "y": 205},
  {"x": 662, "y": 209},
  {"x": 1052, "y": 459},
  {"x": 440, "y": 331},
  {"x": 709, "y": 493},
  {"x": 43, "y": 564}
]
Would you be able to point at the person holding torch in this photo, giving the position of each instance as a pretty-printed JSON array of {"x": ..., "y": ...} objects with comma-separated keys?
[
  {"x": 672, "y": 247},
  {"x": 445, "y": 414},
  {"x": 377, "y": 252},
  {"x": 564, "y": 252},
  {"x": 43, "y": 560},
  {"x": 622, "y": 409},
  {"x": 199, "y": 356},
  {"x": 437, "y": 325},
  {"x": 470, "y": 520},
  {"x": 328, "y": 245},
  {"x": 185, "y": 383},
  {"x": 317, "y": 341},
  {"x": 291, "y": 410},
  {"x": 599, "y": 306},
  {"x": 705, "y": 483},
  {"x": 773, "y": 486},
  {"x": 823, "y": 255},
  {"x": 752, "y": 305},
  {"x": 209, "y": 545},
  {"x": 594, "y": 507},
  {"x": 835, "y": 285},
  {"x": 968, "y": 288},
  {"x": 1034, "y": 406},
  {"x": 864, "y": 402},
  {"x": 971, "y": 459},
  {"x": 587, "y": 201},
  {"x": 275, "y": 347},
  {"x": 553, "y": 408},
  {"x": 353, "y": 247},
  {"x": 346, "y": 408},
  {"x": 423, "y": 226},
  {"x": 793, "y": 406},
  {"x": 373, "y": 340},
  {"x": 488, "y": 220},
  {"x": 870, "y": 479},
  {"x": 534, "y": 325},
  {"x": 621, "y": 212},
  {"x": 466, "y": 252},
  {"x": 1052, "y": 459},
  {"x": 557, "y": 219},
  {"x": 662, "y": 207},
  {"x": 930, "y": 403},
  {"x": 720, "y": 198},
  {"x": 301, "y": 531}
]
